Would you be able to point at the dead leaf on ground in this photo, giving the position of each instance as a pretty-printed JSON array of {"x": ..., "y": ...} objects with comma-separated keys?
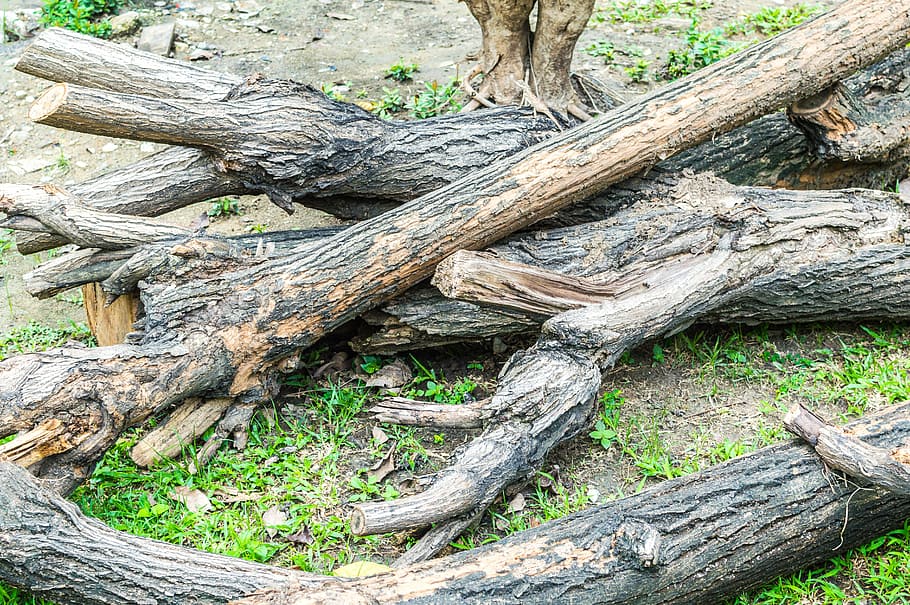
[
  {"x": 360, "y": 569},
  {"x": 302, "y": 536},
  {"x": 381, "y": 469},
  {"x": 272, "y": 518},
  {"x": 392, "y": 376},
  {"x": 193, "y": 499},
  {"x": 379, "y": 436}
]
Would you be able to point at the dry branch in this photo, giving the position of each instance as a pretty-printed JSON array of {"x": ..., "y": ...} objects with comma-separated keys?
[{"x": 884, "y": 468}]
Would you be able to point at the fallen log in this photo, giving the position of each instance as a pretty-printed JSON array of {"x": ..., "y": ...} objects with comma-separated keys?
[
  {"x": 768, "y": 152},
  {"x": 699, "y": 538},
  {"x": 230, "y": 333}
]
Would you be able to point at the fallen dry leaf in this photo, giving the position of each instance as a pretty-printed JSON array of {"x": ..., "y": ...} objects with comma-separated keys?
[
  {"x": 379, "y": 436},
  {"x": 272, "y": 518},
  {"x": 517, "y": 504},
  {"x": 360, "y": 569},
  {"x": 303, "y": 536},
  {"x": 193, "y": 499},
  {"x": 381, "y": 469}
]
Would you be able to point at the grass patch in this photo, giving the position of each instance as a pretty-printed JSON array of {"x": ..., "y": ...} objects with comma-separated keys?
[
  {"x": 704, "y": 47},
  {"x": 645, "y": 11},
  {"x": 38, "y": 337}
]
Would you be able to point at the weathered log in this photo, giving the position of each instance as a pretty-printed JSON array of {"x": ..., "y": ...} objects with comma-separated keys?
[
  {"x": 699, "y": 538},
  {"x": 292, "y": 142},
  {"x": 229, "y": 333},
  {"x": 710, "y": 252},
  {"x": 767, "y": 152},
  {"x": 165, "y": 181},
  {"x": 119, "y": 68},
  {"x": 53, "y": 550}
]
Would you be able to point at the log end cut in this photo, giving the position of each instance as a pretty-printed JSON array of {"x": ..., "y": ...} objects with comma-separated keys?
[{"x": 48, "y": 103}]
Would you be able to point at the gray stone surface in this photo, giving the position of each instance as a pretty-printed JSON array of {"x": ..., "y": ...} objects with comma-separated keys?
[{"x": 158, "y": 39}]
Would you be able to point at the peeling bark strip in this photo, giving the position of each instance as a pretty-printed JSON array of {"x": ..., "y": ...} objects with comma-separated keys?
[
  {"x": 696, "y": 539},
  {"x": 885, "y": 468}
]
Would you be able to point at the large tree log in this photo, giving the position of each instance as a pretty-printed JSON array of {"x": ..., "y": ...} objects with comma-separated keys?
[
  {"x": 739, "y": 254},
  {"x": 695, "y": 539},
  {"x": 763, "y": 153},
  {"x": 229, "y": 332}
]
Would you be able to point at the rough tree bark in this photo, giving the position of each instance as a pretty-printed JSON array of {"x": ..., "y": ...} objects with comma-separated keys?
[
  {"x": 698, "y": 538},
  {"x": 229, "y": 332},
  {"x": 766, "y": 152}
]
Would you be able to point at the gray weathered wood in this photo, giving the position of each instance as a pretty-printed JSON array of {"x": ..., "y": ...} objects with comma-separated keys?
[{"x": 884, "y": 468}]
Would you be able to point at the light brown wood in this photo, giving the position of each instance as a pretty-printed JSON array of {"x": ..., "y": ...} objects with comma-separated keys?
[
  {"x": 184, "y": 425},
  {"x": 109, "y": 323}
]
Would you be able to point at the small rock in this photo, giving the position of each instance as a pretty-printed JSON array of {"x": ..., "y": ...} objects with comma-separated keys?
[
  {"x": 200, "y": 55},
  {"x": 125, "y": 24},
  {"x": 109, "y": 147},
  {"x": 205, "y": 10},
  {"x": 189, "y": 24},
  {"x": 147, "y": 147},
  {"x": 223, "y": 7},
  {"x": 673, "y": 23},
  {"x": 81, "y": 164},
  {"x": 249, "y": 7},
  {"x": 20, "y": 93},
  {"x": 158, "y": 39}
]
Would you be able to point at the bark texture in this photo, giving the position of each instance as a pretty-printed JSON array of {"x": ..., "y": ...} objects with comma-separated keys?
[
  {"x": 696, "y": 539},
  {"x": 699, "y": 538}
]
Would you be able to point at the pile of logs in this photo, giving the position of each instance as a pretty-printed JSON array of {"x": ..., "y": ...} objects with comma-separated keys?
[{"x": 628, "y": 244}]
